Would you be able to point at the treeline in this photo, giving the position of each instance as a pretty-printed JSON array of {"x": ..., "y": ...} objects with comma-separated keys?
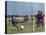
[{"x": 18, "y": 15}]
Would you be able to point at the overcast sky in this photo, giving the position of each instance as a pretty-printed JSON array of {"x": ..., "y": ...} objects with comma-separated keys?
[{"x": 23, "y": 8}]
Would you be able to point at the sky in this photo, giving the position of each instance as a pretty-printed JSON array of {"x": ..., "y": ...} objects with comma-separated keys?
[{"x": 23, "y": 8}]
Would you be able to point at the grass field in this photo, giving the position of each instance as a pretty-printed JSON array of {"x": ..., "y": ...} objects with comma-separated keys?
[{"x": 29, "y": 27}]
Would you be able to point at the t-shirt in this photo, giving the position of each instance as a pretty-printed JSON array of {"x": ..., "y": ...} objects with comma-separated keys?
[
  {"x": 13, "y": 19},
  {"x": 38, "y": 16},
  {"x": 42, "y": 18}
]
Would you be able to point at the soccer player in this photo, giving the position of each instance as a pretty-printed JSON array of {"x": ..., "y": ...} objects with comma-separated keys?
[
  {"x": 38, "y": 19},
  {"x": 42, "y": 19},
  {"x": 14, "y": 23}
]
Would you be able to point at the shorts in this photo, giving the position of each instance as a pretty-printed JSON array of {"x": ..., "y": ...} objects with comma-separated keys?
[
  {"x": 37, "y": 22},
  {"x": 13, "y": 22}
]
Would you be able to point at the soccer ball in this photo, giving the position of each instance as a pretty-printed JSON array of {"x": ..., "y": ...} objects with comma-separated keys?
[{"x": 22, "y": 27}]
